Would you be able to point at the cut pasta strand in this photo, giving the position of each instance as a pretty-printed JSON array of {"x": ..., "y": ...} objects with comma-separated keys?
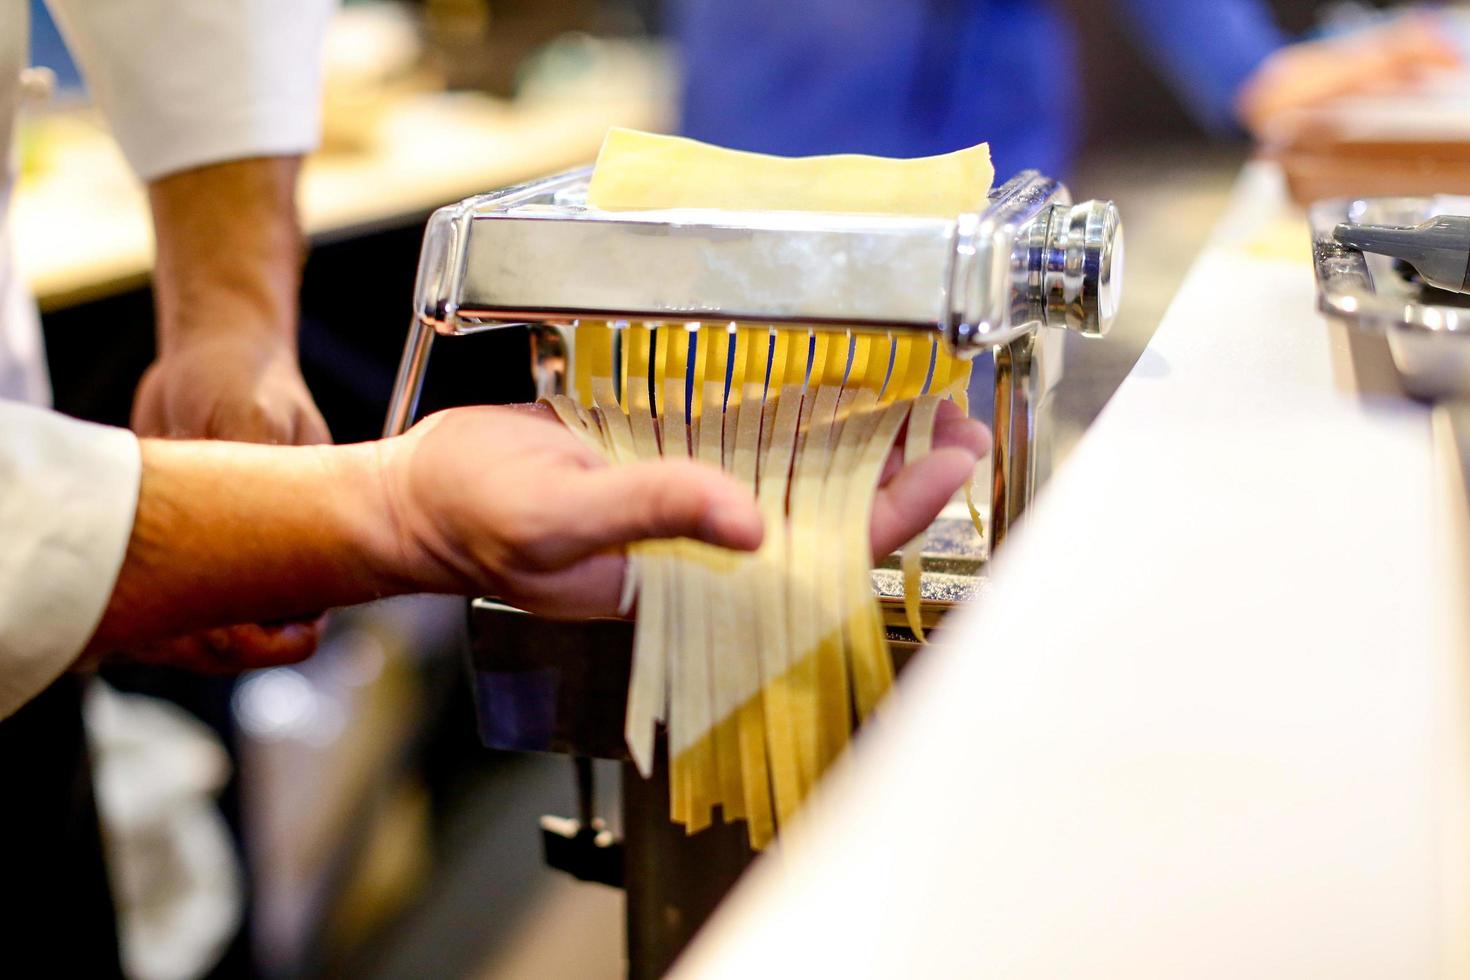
[{"x": 760, "y": 665}]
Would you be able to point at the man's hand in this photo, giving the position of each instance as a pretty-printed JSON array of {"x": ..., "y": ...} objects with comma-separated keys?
[
  {"x": 1300, "y": 78},
  {"x": 243, "y": 386},
  {"x": 910, "y": 497},
  {"x": 239, "y": 385},
  {"x": 232, "y": 649},
  {"x": 538, "y": 519}
]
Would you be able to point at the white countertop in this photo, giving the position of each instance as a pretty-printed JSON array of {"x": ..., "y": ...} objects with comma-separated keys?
[{"x": 1213, "y": 719}]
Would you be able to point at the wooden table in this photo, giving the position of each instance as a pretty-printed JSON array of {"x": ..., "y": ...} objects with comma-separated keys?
[{"x": 81, "y": 218}]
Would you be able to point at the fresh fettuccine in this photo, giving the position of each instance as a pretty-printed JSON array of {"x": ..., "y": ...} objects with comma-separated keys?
[{"x": 760, "y": 665}]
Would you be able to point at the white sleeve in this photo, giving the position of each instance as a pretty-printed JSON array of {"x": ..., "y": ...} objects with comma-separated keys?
[
  {"x": 186, "y": 83},
  {"x": 68, "y": 494}
]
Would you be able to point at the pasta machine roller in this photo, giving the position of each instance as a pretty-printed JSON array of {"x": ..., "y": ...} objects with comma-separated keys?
[{"x": 1002, "y": 283}]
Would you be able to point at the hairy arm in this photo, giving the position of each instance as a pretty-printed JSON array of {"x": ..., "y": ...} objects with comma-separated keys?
[
  {"x": 226, "y": 279},
  {"x": 234, "y": 533},
  {"x": 498, "y": 501}
]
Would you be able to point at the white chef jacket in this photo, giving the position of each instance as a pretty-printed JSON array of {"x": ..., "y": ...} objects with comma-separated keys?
[{"x": 183, "y": 83}]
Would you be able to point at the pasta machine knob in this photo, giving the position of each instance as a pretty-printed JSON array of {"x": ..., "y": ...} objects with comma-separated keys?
[{"x": 1068, "y": 267}]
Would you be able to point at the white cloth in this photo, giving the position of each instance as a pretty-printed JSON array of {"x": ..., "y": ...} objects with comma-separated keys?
[
  {"x": 190, "y": 82},
  {"x": 184, "y": 83},
  {"x": 68, "y": 491},
  {"x": 174, "y": 875}
]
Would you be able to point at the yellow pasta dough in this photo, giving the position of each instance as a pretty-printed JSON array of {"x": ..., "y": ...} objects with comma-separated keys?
[
  {"x": 759, "y": 665},
  {"x": 643, "y": 171}
]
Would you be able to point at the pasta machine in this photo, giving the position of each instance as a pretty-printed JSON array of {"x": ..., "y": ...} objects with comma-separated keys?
[{"x": 1001, "y": 284}]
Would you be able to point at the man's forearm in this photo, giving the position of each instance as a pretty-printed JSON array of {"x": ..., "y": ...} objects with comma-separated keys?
[
  {"x": 228, "y": 533},
  {"x": 229, "y": 248},
  {"x": 226, "y": 281},
  {"x": 488, "y": 501}
]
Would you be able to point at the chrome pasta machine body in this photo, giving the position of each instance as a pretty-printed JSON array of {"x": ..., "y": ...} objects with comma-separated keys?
[{"x": 1005, "y": 279}]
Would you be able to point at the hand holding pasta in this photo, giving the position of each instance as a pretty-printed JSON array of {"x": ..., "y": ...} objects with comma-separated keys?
[{"x": 508, "y": 502}]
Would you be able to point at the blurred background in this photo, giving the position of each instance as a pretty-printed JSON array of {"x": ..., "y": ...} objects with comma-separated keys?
[{"x": 378, "y": 838}]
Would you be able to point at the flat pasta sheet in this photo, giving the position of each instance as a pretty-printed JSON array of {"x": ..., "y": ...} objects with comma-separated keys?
[{"x": 760, "y": 666}]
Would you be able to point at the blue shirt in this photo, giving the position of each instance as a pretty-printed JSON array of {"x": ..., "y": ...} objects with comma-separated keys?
[{"x": 917, "y": 77}]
